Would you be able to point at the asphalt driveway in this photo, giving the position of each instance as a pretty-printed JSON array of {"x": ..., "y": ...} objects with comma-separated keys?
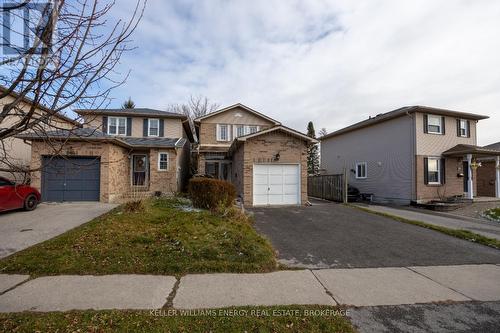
[
  {"x": 20, "y": 229},
  {"x": 330, "y": 235}
]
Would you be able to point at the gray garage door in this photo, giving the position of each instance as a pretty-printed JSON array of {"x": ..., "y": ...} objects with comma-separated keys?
[{"x": 70, "y": 179}]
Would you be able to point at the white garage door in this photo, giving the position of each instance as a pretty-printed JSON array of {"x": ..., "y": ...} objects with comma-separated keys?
[{"x": 276, "y": 184}]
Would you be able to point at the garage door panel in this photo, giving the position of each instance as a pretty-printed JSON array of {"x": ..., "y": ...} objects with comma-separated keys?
[
  {"x": 70, "y": 179},
  {"x": 276, "y": 184}
]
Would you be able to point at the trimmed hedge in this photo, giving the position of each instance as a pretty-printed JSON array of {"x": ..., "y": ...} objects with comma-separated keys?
[{"x": 211, "y": 193}]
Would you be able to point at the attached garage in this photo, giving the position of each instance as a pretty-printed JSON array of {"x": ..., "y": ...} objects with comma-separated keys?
[
  {"x": 276, "y": 184},
  {"x": 269, "y": 167},
  {"x": 70, "y": 178}
]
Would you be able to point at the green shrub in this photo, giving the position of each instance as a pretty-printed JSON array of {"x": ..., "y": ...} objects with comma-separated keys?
[{"x": 211, "y": 193}]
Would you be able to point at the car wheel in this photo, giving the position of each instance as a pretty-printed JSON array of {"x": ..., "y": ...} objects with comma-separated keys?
[{"x": 30, "y": 202}]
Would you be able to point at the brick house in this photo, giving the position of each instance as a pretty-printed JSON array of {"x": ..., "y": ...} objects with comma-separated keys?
[
  {"x": 265, "y": 160},
  {"x": 412, "y": 154},
  {"x": 118, "y": 154}
]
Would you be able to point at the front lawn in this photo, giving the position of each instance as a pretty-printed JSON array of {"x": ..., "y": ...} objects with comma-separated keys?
[
  {"x": 155, "y": 238},
  {"x": 271, "y": 319},
  {"x": 493, "y": 214}
]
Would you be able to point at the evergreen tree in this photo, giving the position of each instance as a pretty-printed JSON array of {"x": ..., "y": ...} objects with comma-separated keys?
[
  {"x": 128, "y": 104},
  {"x": 312, "y": 152}
]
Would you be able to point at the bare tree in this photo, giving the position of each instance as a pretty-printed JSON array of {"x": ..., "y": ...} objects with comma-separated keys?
[
  {"x": 70, "y": 62},
  {"x": 322, "y": 132},
  {"x": 197, "y": 106}
]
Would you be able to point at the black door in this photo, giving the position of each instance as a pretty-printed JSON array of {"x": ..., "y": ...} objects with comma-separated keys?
[
  {"x": 465, "y": 168},
  {"x": 70, "y": 179}
]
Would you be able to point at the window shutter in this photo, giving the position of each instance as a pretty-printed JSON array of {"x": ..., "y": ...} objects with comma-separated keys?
[
  {"x": 217, "y": 132},
  {"x": 443, "y": 125},
  {"x": 229, "y": 132},
  {"x": 426, "y": 170},
  {"x": 145, "y": 127},
  {"x": 443, "y": 171},
  {"x": 458, "y": 127},
  {"x": 105, "y": 125},
  {"x": 162, "y": 127},
  {"x": 426, "y": 122},
  {"x": 129, "y": 126},
  {"x": 468, "y": 128}
]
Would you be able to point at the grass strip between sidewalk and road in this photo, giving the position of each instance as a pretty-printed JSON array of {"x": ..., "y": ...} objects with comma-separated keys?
[
  {"x": 157, "y": 236},
  {"x": 241, "y": 319},
  {"x": 458, "y": 233}
]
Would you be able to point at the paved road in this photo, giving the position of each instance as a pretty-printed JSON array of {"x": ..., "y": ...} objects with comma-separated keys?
[
  {"x": 423, "y": 318},
  {"x": 330, "y": 235},
  {"x": 20, "y": 229},
  {"x": 486, "y": 228}
]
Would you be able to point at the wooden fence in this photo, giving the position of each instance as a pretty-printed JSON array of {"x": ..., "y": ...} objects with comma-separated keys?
[{"x": 328, "y": 187}]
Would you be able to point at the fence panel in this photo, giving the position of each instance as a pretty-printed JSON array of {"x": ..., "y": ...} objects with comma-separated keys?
[{"x": 328, "y": 187}]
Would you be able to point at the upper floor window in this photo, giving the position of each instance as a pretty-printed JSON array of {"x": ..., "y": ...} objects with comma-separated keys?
[
  {"x": 117, "y": 125},
  {"x": 253, "y": 129},
  {"x": 435, "y": 124},
  {"x": 463, "y": 128},
  {"x": 153, "y": 127},
  {"x": 223, "y": 132},
  {"x": 241, "y": 130},
  {"x": 361, "y": 170}
]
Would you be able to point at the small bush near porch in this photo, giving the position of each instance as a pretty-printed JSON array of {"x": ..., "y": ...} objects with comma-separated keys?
[
  {"x": 210, "y": 193},
  {"x": 156, "y": 237}
]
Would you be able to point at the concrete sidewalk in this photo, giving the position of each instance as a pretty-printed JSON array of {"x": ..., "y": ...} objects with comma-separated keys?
[
  {"x": 350, "y": 287},
  {"x": 484, "y": 228}
]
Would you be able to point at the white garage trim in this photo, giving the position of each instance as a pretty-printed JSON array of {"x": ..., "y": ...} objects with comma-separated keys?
[{"x": 276, "y": 184}]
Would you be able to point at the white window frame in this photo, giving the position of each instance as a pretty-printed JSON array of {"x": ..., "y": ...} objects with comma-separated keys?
[
  {"x": 159, "y": 161},
  {"x": 149, "y": 127},
  {"x": 429, "y": 124},
  {"x": 439, "y": 180},
  {"x": 228, "y": 132},
  {"x": 235, "y": 130},
  {"x": 358, "y": 176},
  {"x": 117, "y": 119},
  {"x": 247, "y": 129},
  {"x": 466, "y": 130}
]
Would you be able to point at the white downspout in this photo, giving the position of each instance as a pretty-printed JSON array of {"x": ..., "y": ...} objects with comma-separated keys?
[
  {"x": 497, "y": 180},
  {"x": 470, "y": 188}
]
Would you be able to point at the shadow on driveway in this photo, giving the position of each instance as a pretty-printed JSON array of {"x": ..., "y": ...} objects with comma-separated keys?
[{"x": 330, "y": 235}]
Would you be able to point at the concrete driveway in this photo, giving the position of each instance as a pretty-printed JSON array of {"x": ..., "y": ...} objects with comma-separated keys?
[
  {"x": 20, "y": 229},
  {"x": 330, "y": 235}
]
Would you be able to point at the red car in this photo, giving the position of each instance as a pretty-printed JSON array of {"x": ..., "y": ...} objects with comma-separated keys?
[{"x": 15, "y": 196}]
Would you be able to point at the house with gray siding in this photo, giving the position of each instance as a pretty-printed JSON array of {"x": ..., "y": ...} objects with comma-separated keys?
[{"x": 412, "y": 154}]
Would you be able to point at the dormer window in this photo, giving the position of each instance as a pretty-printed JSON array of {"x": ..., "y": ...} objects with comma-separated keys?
[
  {"x": 153, "y": 127},
  {"x": 117, "y": 126}
]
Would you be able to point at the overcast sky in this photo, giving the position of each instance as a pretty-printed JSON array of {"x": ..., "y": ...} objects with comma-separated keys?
[{"x": 332, "y": 62}]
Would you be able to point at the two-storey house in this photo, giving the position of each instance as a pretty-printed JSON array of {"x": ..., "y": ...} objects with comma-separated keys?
[
  {"x": 118, "y": 153},
  {"x": 412, "y": 154},
  {"x": 265, "y": 160}
]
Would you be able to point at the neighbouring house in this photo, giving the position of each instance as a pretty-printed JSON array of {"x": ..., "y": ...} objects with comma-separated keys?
[
  {"x": 412, "y": 154},
  {"x": 119, "y": 154},
  {"x": 266, "y": 161},
  {"x": 487, "y": 174},
  {"x": 15, "y": 154}
]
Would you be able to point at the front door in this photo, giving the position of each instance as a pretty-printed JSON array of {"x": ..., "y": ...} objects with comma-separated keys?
[
  {"x": 139, "y": 170},
  {"x": 465, "y": 168}
]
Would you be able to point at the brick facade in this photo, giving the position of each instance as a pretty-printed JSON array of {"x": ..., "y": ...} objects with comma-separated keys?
[
  {"x": 262, "y": 149},
  {"x": 454, "y": 185},
  {"x": 115, "y": 167}
]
